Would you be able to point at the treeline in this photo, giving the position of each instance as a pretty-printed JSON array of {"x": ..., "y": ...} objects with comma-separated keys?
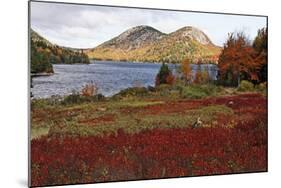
[
  {"x": 40, "y": 59},
  {"x": 184, "y": 75},
  {"x": 240, "y": 60},
  {"x": 44, "y": 55}
]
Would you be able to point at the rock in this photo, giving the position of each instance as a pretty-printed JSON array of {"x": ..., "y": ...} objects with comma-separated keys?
[
  {"x": 102, "y": 109},
  {"x": 230, "y": 102},
  {"x": 151, "y": 89},
  {"x": 197, "y": 123}
]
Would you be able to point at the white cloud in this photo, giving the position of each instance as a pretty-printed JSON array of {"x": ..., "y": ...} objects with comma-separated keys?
[{"x": 88, "y": 26}]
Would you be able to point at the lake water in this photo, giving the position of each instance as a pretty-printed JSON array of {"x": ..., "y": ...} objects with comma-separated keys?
[{"x": 110, "y": 77}]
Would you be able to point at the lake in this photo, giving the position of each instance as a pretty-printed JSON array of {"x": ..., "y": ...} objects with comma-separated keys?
[{"x": 110, "y": 77}]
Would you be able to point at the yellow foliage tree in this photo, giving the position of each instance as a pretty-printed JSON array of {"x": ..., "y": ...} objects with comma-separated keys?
[{"x": 186, "y": 69}]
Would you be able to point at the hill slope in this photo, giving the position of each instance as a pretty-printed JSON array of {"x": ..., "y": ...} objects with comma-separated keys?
[
  {"x": 44, "y": 54},
  {"x": 144, "y": 43},
  {"x": 134, "y": 38}
]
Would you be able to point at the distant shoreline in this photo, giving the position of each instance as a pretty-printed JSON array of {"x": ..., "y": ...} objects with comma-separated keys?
[
  {"x": 144, "y": 62},
  {"x": 41, "y": 74},
  {"x": 125, "y": 61}
]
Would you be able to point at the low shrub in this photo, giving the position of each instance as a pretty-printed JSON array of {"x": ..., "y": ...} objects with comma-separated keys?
[
  {"x": 131, "y": 92},
  {"x": 53, "y": 100},
  {"x": 38, "y": 103},
  {"x": 172, "y": 153},
  {"x": 171, "y": 91},
  {"x": 151, "y": 89},
  {"x": 78, "y": 99},
  {"x": 211, "y": 89},
  {"x": 193, "y": 92},
  {"x": 89, "y": 89},
  {"x": 246, "y": 86},
  {"x": 262, "y": 87},
  {"x": 163, "y": 87},
  {"x": 199, "y": 91}
]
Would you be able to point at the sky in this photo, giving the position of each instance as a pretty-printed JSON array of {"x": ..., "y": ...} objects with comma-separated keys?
[{"x": 84, "y": 26}]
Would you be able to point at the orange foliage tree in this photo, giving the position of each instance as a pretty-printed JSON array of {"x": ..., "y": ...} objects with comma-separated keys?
[
  {"x": 206, "y": 76},
  {"x": 202, "y": 75},
  {"x": 89, "y": 89},
  {"x": 237, "y": 61},
  {"x": 186, "y": 70},
  {"x": 198, "y": 75}
]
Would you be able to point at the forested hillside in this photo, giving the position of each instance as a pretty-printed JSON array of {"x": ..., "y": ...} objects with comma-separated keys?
[{"x": 44, "y": 54}]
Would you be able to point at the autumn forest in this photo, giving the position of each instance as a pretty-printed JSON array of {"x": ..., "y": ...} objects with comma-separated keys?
[{"x": 204, "y": 112}]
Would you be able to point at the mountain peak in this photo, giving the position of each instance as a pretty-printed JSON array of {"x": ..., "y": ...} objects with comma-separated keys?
[
  {"x": 134, "y": 37},
  {"x": 146, "y": 44},
  {"x": 142, "y": 27},
  {"x": 193, "y": 33}
]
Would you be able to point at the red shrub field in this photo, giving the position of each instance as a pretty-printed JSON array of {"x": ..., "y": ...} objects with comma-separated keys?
[{"x": 156, "y": 153}]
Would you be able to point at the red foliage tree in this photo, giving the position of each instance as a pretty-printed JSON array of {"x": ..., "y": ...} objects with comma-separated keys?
[{"x": 237, "y": 61}]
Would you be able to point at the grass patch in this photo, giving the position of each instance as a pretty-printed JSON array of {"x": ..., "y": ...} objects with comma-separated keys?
[
  {"x": 211, "y": 110},
  {"x": 79, "y": 99},
  {"x": 38, "y": 132},
  {"x": 246, "y": 86},
  {"x": 84, "y": 115},
  {"x": 134, "y": 123},
  {"x": 136, "y": 104},
  {"x": 200, "y": 91},
  {"x": 40, "y": 129},
  {"x": 72, "y": 99},
  {"x": 131, "y": 92}
]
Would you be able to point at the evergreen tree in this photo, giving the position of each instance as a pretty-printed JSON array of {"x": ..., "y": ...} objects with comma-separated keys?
[
  {"x": 261, "y": 45},
  {"x": 164, "y": 76}
]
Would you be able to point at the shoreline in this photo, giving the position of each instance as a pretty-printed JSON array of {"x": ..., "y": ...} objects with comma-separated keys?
[
  {"x": 144, "y": 62},
  {"x": 41, "y": 74}
]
